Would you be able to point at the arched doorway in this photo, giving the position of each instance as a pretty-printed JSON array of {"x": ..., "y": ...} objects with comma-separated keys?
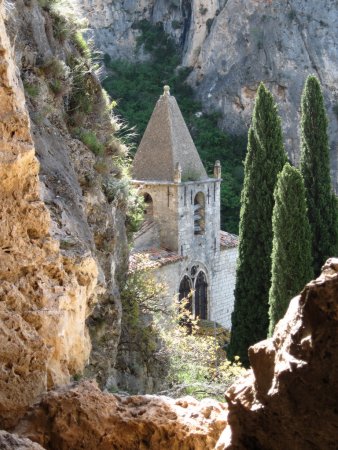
[
  {"x": 199, "y": 213},
  {"x": 201, "y": 296},
  {"x": 185, "y": 292},
  {"x": 148, "y": 206}
]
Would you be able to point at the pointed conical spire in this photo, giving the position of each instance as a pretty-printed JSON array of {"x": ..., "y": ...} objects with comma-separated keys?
[{"x": 165, "y": 144}]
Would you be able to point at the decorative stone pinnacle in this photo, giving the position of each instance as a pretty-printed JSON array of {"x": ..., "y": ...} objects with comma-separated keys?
[
  {"x": 217, "y": 169},
  {"x": 178, "y": 173},
  {"x": 166, "y": 90}
]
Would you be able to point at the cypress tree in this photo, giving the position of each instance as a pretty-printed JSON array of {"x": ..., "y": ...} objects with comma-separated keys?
[
  {"x": 264, "y": 160},
  {"x": 291, "y": 245},
  {"x": 315, "y": 168}
]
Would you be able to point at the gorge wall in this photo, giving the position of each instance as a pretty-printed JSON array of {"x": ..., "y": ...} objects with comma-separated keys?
[
  {"x": 63, "y": 245},
  {"x": 232, "y": 46}
]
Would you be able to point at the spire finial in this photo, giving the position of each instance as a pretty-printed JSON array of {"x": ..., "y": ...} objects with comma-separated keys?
[
  {"x": 166, "y": 90},
  {"x": 217, "y": 169}
]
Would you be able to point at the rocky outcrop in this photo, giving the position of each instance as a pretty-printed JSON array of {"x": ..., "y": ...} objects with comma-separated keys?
[
  {"x": 289, "y": 399},
  {"x": 62, "y": 245},
  {"x": 84, "y": 417},
  {"x": 44, "y": 295},
  {"x": 13, "y": 442}
]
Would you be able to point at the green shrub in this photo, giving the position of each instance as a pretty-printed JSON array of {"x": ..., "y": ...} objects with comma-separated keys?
[
  {"x": 176, "y": 24},
  {"x": 32, "y": 89},
  {"x": 81, "y": 44},
  {"x": 90, "y": 139}
]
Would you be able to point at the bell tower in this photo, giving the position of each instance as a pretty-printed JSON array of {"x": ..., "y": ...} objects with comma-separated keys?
[{"x": 185, "y": 201}]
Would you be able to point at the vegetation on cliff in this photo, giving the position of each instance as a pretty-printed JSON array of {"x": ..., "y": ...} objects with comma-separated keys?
[
  {"x": 315, "y": 168},
  {"x": 265, "y": 159},
  {"x": 291, "y": 246},
  {"x": 137, "y": 86}
]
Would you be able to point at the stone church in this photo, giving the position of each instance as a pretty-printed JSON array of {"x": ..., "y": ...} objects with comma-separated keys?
[{"x": 181, "y": 233}]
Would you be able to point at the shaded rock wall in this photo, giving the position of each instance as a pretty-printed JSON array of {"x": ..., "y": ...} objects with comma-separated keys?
[
  {"x": 84, "y": 417},
  {"x": 62, "y": 245},
  {"x": 43, "y": 295},
  {"x": 289, "y": 399}
]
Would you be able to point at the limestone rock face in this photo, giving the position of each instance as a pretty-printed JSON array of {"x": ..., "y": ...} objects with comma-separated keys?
[
  {"x": 44, "y": 295},
  {"x": 114, "y": 23},
  {"x": 62, "y": 245},
  {"x": 84, "y": 417},
  {"x": 289, "y": 399},
  {"x": 279, "y": 43}
]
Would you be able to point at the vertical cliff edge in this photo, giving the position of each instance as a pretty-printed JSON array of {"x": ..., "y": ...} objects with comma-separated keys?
[{"x": 63, "y": 245}]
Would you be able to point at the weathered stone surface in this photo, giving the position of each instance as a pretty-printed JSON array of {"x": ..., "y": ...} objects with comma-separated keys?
[
  {"x": 62, "y": 245},
  {"x": 289, "y": 399},
  {"x": 43, "y": 296},
  {"x": 12, "y": 441},
  {"x": 114, "y": 23},
  {"x": 279, "y": 43},
  {"x": 84, "y": 417}
]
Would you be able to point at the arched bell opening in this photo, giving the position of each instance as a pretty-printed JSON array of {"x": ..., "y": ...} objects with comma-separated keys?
[
  {"x": 148, "y": 206},
  {"x": 201, "y": 296},
  {"x": 199, "y": 213}
]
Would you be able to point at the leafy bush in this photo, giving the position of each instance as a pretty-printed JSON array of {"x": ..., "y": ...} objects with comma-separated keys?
[
  {"x": 192, "y": 361},
  {"x": 32, "y": 89},
  {"x": 90, "y": 139}
]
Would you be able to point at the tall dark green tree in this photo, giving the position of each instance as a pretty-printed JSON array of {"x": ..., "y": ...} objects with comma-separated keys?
[
  {"x": 264, "y": 160},
  {"x": 291, "y": 245},
  {"x": 315, "y": 168}
]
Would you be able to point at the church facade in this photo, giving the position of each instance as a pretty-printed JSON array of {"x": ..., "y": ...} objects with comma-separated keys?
[{"x": 181, "y": 233}]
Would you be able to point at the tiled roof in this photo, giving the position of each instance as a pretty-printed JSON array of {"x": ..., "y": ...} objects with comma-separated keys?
[
  {"x": 152, "y": 258},
  {"x": 228, "y": 240},
  {"x": 166, "y": 142}
]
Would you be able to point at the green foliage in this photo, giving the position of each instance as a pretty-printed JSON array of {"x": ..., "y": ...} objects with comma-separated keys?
[
  {"x": 31, "y": 89},
  {"x": 90, "y": 139},
  {"x": 197, "y": 364},
  {"x": 291, "y": 247},
  {"x": 315, "y": 168},
  {"x": 81, "y": 44},
  {"x": 191, "y": 360},
  {"x": 120, "y": 190},
  {"x": 265, "y": 159},
  {"x": 137, "y": 87}
]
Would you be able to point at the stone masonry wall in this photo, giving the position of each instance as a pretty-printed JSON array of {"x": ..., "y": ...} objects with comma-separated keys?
[{"x": 223, "y": 285}]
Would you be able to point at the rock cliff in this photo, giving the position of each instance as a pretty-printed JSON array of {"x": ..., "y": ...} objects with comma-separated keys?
[
  {"x": 289, "y": 399},
  {"x": 84, "y": 417},
  {"x": 232, "y": 46},
  {"x": 63, "y": 245}
]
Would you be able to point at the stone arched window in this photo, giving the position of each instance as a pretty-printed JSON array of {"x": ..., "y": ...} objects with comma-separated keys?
[
  {"x": 199, "y": 213},
  {"x": 201, "y": 296},
  {"x": 185, "y": 292},
  {"x": 148, "y": 206}
]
